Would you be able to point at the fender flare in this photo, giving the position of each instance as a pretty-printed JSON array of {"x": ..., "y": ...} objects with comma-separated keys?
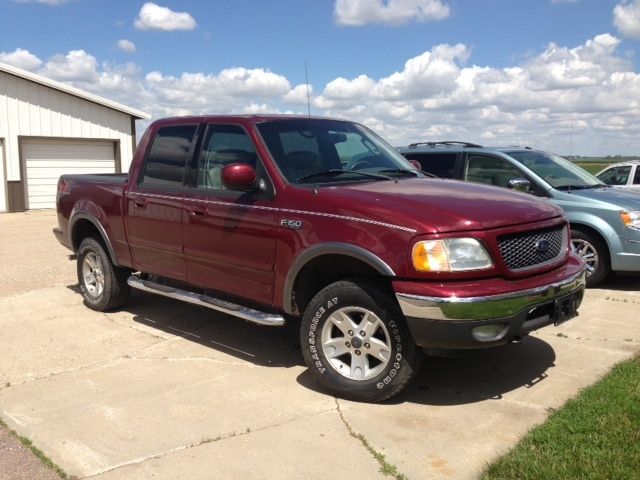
[
  {"x": 331, "y": 248},
  {"x": 96, "y": 223},
  {"x": 599, "y": 225}
]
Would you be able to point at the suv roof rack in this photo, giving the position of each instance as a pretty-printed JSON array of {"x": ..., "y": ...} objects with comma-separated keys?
[{"x": 447, "y": 142}]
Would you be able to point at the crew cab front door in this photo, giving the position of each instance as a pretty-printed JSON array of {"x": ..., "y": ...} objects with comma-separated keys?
[{"x": 229, "y": 235}]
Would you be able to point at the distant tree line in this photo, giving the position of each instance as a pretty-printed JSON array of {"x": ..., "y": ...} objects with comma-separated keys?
[{"x": 607, "y": 159}]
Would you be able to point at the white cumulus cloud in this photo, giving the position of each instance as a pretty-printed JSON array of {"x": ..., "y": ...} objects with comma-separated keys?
[
  {"x": 393, "y": 12},
  {"x": 155, "y": 17},
  {"x": 626, "y": 18},
  {"x": 21, "y": 58},
  {"x": 77, "y": 65},
  {"x": 298, "y": 94},
  {"x": 584, "y": 97},
  {"x": 126, "y": 45}
]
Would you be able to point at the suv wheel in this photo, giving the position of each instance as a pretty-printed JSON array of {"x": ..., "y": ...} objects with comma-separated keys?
[
  {"x": 103, "y": 285},
  {"x": 594, "y": 253},
  {"x": 356, "y": 343}
]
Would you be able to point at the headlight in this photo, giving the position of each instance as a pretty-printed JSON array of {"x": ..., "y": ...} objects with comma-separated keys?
[
  {"x": 450, "y": 255},
  {"x": 631, "y": 219}
]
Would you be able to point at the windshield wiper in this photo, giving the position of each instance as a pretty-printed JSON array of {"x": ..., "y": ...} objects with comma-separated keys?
[
  {"x": 334, "y": 172},
  {"x": 400, "y": 171}
]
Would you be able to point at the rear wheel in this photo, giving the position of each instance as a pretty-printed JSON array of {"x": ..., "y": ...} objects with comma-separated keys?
[
  {"x": 103, "y": 285},
  {"x": 356, "y": 343},
  {"x": 595, "y": 254}
]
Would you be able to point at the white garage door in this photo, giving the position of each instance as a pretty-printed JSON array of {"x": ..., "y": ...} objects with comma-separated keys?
[{"x": 46, "y": 160}]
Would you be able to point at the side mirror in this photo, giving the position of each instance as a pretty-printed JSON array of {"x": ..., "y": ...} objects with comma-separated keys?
[
  {"x": 416, "y": 164},
  {"x": 239, "y": 176},
  {"x": 519, "y": 185}
]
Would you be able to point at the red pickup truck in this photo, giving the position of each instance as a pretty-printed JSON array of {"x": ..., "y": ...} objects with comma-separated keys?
[{"x": 320, "y": 222}]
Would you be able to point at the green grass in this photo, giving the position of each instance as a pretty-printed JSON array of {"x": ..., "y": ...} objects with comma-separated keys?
[
  {"x": 594, "y": 436},
  {"x": 37, "y": 452},
  {"x": 592, "y": 167}
]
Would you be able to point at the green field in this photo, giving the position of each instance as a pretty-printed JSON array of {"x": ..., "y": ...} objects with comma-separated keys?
[{"x": 592, "y": 167}]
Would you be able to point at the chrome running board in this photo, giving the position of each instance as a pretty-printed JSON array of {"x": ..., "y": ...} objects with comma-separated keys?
[{"x": 249, "y": 314}]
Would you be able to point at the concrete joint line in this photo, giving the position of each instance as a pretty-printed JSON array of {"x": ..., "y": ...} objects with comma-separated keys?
[
  {"x": 205, "y": 441},
  {"x": 97, "y": 364}
]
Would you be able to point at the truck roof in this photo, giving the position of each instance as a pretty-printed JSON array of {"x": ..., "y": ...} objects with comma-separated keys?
[{"x": 250, "y": 118}]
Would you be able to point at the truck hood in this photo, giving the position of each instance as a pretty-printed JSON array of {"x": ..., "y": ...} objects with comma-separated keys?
[
  {"x": 616, "y": 197},
  {"x": 439, "y": 206}
]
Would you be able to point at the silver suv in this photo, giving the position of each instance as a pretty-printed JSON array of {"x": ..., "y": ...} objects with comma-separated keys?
[{"x": 605, "y": 222}]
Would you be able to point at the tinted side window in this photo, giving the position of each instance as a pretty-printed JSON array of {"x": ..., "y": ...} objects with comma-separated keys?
[
  {"x": 441, "y": 165},
  {"x": 165, "y": 163},
  {"x": 223, "y": 145},
  {"x": 490, "y": 170},
  {"x": 636, "y": 177}
]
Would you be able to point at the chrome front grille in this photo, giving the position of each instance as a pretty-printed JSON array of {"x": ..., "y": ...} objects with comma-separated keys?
[{"x": 527, "y": 250}]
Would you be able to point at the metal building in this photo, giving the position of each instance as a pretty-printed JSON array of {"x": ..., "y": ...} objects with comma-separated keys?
[{"x": 48, "y": 128}]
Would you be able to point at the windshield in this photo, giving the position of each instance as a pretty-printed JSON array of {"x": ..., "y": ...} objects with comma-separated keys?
[
  {"x": 310, "y": 150},
  {"x": 558, "y": 172}
]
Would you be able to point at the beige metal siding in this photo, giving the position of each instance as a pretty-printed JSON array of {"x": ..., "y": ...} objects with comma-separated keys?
[
  {"x": 45, "y": 160},
  {"x": 3, "y": 190},
  {"x": 28, "y": 108}
]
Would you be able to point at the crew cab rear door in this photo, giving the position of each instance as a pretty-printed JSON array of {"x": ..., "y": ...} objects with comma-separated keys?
[
  {"x": 153, "y": 205},
  {"x": 229, "y": 235}
]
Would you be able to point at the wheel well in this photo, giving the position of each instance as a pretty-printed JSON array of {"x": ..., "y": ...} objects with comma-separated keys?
[
  {"x": 83, "y": 229},
  {"x": 595, "y": 234},
  {"x": 325, "y": 270}
]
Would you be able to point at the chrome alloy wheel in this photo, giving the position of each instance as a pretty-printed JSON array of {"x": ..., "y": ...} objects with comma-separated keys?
[
  {"x": 92, "y": 274},
  {"x": 356, "y": 343},
  {"x": 588, "y": 253}
]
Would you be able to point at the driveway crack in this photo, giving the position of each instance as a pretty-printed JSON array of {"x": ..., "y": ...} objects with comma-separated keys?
[{"x": 386, "y": 468}]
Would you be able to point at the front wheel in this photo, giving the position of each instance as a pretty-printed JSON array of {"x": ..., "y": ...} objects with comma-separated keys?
[
  {"x": 102, "y": 284},
  {"x": 356, "y": 343},
  {"x": 595, "y": 254}
]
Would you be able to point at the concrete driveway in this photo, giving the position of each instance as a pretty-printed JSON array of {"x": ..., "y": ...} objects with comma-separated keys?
[{"x": 174, "y": 391}]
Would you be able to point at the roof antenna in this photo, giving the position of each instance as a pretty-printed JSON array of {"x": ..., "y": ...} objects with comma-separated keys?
[{"x": 306, "y": 75}]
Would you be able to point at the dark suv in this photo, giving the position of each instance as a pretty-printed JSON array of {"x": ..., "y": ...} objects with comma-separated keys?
[{"x": 605, "y": 222}]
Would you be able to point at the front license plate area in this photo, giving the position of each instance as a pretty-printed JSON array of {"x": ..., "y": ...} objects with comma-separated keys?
[{"x": 565, "y": 308}]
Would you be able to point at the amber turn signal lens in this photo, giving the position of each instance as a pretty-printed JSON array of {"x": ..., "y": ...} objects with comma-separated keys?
[{"x": 430, "y": 256}]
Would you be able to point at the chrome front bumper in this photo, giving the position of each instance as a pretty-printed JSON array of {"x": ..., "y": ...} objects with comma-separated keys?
[{"x": 487, "y": 307}]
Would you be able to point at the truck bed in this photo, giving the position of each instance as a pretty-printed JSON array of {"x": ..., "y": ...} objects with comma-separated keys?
[{"x": 117, "y": 178}]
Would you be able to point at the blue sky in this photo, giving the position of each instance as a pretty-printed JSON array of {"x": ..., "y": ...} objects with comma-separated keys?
[{"x": 556, "y": 74}]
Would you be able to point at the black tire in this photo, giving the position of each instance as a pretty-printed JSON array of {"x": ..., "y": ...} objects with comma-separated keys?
[
  {"x": 386, "y": 332},
  {"x": 103, "y": 287},
  {"x": 595, "y": 254}
]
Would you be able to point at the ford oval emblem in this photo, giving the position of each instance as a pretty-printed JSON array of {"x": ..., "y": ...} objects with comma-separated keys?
[{"x": 542, "y": 246}]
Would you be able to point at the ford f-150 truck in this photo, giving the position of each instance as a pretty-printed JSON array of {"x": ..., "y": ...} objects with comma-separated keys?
[{"x": 278, "y": 219}]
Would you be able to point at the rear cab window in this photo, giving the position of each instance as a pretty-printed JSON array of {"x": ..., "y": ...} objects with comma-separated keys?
[
  {"x": 636, "y": 177},
  {"x": 166, "y": 161}
]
